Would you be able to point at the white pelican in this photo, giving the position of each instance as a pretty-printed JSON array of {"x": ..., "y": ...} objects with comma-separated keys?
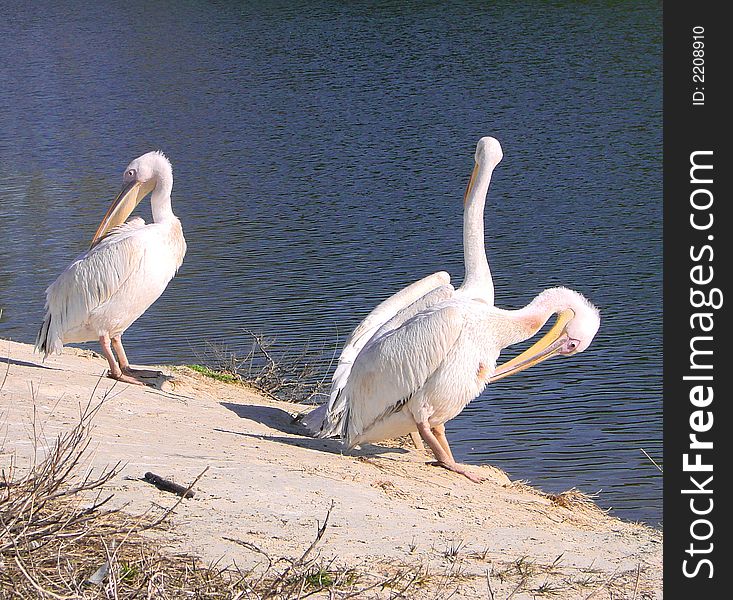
[
  {"x": 325, "y": 420},
  {"x": 423, "y": 373},
  {"x": 125, "y": 270},
  {"x": 422, "y": 367}
]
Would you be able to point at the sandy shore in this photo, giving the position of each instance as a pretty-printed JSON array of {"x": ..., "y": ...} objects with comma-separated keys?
[{"x": 269, "y": 485}]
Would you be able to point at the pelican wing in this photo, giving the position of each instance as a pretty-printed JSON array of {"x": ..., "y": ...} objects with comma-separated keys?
[
  {"x": 390, "y": 314},
  {"x": 88, "y": 282},
  {"x": 395, "y": 365},
  {"x": 422, "y": 293},
  {"x": 433, "y": 297},
  {"x": 387, "y": 309}
]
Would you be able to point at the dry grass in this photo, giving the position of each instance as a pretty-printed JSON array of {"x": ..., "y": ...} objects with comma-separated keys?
[
  {"x": 574, "y": 499},
  {"x": 281, "y": 374},
  {"x": 60, "y": 540},
  {"x": 525, "y": 577}
]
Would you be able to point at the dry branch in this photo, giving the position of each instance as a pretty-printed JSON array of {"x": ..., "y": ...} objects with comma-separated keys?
[
  {"x": 282, "y": 374},
  {"x": 58, "y": 540},
  {"x": 168, "y": 486}
]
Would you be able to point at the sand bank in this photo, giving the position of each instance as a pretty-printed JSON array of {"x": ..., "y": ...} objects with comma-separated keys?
[{"x": 271, "y": 486}]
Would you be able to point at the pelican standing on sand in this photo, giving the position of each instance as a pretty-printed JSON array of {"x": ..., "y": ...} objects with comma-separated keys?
[
  {"x": 423, "y": 371},
  {"x": 325, "y": 421},
  {"x": 125, "y": 270}
]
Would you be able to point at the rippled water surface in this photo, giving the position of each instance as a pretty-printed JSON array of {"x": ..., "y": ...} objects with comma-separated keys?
[{"x": 320, "y": 153}]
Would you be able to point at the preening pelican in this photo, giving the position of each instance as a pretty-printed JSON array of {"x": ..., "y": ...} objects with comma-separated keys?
[
  {"x": 423, "y": 366},
  {"x": 125, "y": 270},
  {"x": 325, "y": 421},
  {"x": 423, "y": 373}
]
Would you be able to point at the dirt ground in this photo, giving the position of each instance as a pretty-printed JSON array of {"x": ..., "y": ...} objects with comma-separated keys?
[{"x": 269, "y": 485}]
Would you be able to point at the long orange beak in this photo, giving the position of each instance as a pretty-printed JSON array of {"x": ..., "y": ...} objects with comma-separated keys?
[
  {"x": 543, "y": 349},
  {"x": 125, "y": 202},
  {"x": 471, "y": 181}
]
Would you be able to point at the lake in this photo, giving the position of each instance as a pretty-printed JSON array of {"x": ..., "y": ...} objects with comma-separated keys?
[{"x": 320, "y": 154}]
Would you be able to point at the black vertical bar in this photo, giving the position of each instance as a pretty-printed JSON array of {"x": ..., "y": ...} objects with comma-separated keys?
[{"x": 697, "y": 268}]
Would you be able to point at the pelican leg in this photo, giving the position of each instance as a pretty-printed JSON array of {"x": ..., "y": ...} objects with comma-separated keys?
[
  {"x": 417, "y": 440},
  {"x": 443, "y": 457},
  {"x": 125, "y": 364},
  {"x": 439, "y": 433},
  {"x": 121, "y": 354},
  {"x": 115, "y": 372}
]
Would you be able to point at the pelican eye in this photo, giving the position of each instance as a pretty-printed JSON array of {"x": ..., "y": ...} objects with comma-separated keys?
[
  {"x": 131, "y": 173},
  {"x": 572, "y": 344}
]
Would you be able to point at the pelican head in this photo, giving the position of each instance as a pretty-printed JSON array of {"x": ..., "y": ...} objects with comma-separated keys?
[
  {"x": 488, "y": 150},
  {"x": 488, "y": 155},
  {"x": 576, "y": 325},
  {"x": 140, "y": 178}
]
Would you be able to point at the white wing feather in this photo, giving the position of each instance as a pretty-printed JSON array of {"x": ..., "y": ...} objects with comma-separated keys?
[
  {"x": 319, "y": 421},
  {"x": 87, "y": 283},
  {"x": 337, "y": 405},
  {"x": 395, "y": 365},
  {"x": 389, "y": 313},
  {"x": 387, "y": 309}
]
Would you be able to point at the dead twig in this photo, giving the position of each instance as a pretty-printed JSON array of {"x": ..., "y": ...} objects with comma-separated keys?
[
  {"x": 168, "y": 486},
  {"x": 652, "y": 460},
  {"x": 281, "y": 374},
  {"x": 488, "y": 584}
]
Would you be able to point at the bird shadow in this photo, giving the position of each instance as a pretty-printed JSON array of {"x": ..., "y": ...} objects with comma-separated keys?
[
  {"x": 275, "y": 418},
  {"x": 150, "y": 377},
  {"x": 283, "y": 421},
  {"x": 154, "y": 379},
  {"x": 22, "y": 363}
]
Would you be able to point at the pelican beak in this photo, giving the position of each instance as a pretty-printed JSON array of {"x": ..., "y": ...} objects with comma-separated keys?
[
  {"x": 471, "y": 181},
  {"x": 550, "y": 344},
  {"x": 125, "y": 202}
]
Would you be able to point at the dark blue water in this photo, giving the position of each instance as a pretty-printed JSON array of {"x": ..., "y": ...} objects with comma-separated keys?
[{"x": 320, "y": 154}]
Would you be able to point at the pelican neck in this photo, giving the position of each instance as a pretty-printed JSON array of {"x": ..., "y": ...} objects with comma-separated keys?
[{"x": 477, "y": 272}]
